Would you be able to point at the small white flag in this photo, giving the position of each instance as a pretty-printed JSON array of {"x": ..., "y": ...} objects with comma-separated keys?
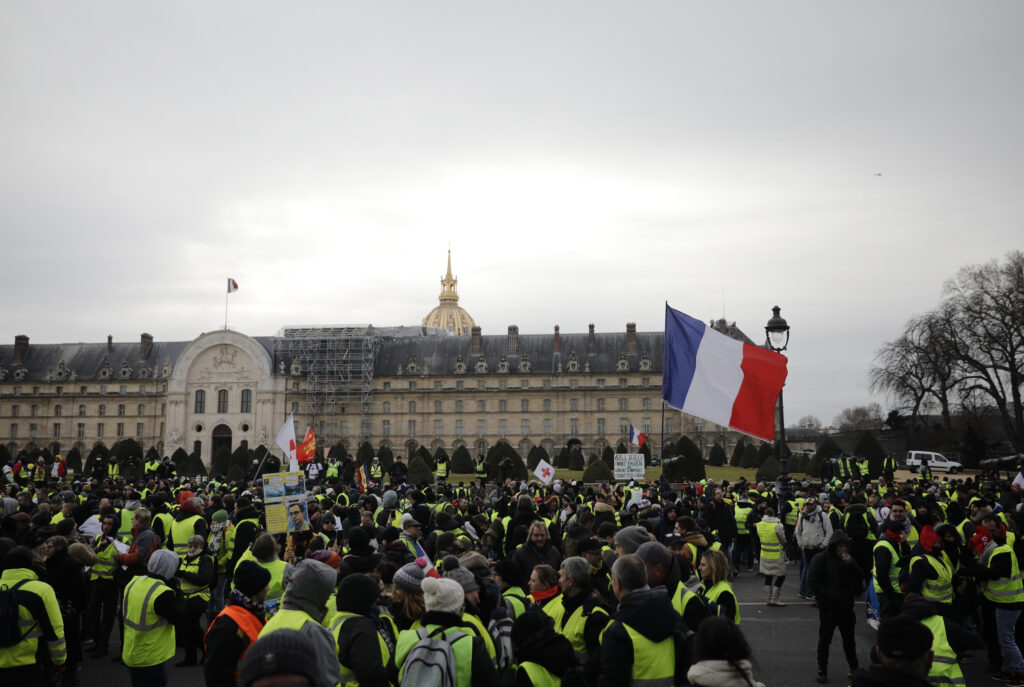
[
  {"x": 232, "y": 285},
  {"x": 1018, "y": 481},
  {"x": 285, "y": 439},
  {"x": 545, "y": 472}
]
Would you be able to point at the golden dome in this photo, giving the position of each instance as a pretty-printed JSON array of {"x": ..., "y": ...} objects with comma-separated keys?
[{"x": 448, "y": 315}]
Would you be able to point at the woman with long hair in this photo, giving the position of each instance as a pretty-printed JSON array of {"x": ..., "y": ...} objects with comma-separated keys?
[
  {"x": 721, "y": 656},
  {"x": 714, "y": 574}
]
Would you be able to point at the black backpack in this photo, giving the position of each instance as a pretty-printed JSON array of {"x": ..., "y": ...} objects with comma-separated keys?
[
  {"x": 856, "y": 527},
  {"x": 11, "y": 633}
]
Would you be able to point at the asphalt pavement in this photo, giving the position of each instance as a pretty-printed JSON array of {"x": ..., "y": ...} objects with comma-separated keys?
[{"x": 784, "y": 642}]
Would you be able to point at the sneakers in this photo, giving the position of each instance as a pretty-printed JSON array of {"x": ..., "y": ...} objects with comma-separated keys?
[{"x": 1012, "y": 679}]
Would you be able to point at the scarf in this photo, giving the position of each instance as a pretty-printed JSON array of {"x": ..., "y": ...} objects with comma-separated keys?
[
  {"x": 255, "y": 607},
  {"x": 544, "y": 594}
]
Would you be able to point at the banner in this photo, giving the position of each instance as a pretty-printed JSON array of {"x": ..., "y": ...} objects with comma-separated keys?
[
  {"x": 545, "y": 472},
  {"x": 630, "y": 466},
  {"x": 284, "y": 496}
]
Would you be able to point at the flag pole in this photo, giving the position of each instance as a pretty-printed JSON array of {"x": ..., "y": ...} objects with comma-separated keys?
[{"x": 226, "y": 294}]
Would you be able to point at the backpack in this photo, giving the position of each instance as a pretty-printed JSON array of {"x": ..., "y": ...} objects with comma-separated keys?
[
  {"x": 500, "y": 627},
  {"x": 11, "y": 633},
  {"x": 431, "y": 663},
  {"x": 856, "y": 527}
]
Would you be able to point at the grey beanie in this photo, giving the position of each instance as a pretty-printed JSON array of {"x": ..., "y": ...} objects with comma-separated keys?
[
  {"x": 630, "y": 538},
  {"x": 163, "y": 563},
  {"x": 390, "y": 499},
  {"x": 454, "y": 571}
]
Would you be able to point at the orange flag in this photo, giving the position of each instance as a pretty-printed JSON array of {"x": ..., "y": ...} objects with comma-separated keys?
[{"x": 305, "y": 451}]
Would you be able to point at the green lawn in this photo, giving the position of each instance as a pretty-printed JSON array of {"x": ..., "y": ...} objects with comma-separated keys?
[{"x": 716, "y": 473}]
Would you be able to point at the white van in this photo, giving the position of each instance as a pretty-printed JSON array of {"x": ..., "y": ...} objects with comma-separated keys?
[{"x": 936, "y": 461}]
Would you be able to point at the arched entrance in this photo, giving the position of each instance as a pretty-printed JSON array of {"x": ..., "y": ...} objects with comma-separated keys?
[{"x": 221, "y": 436}]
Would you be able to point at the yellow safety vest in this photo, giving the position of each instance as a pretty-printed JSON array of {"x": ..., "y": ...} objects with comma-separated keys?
[
  {"x": 771, "y": 548},
  {"x": 939, "y": 590},
  {"x": 25, "y": 652},
  {"x": 944, "y": 670},
  {"x": 103, "y": 568},
  {"x": 716, "y": 593},
  {"x": 654, "y": 663},
  {"x": 894, "y": 566},
  {"x": 515, "y": 598},
  {"x": 181, "y": 530},
  {"x": 462, "y": 649},
  {"x": 442, "y": 469},
  {"x": 554, "y": 608},
  {"x": 348, "y": 677},
  {"x": 742, "y": 512},
  {"x": 572, "y": 626},
  {"x": 539, "y": 676},
  {"x": 148, "y": 637},
  {"x": 1005, "y": 590},
  {"x": 188, "y": 589}
]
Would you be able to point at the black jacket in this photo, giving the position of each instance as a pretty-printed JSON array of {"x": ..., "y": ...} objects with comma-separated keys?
[
  {"x": 359, "y": 651},
  {"x": 835, "y": 582},
  {"x": 550, "y": 650},
  {"x": 225, "y": 643},
  {"x": 647, "y": 611}
]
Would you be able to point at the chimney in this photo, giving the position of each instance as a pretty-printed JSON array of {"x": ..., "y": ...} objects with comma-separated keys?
[
  {"x": 110, "y": 343},
  {"x": 513, "y": 339},
  {"x": 474, "y": 348},
  {"x": 558, "y": 341},
  {"x": 20, "y": 348},
  {"x": 631, "y": 338},
  {"x": 145, "y": 345},
  {"x": 591, "y": 345}
]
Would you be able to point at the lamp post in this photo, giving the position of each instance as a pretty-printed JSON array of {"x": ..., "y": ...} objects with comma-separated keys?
[{"x": 777, "y": 339}]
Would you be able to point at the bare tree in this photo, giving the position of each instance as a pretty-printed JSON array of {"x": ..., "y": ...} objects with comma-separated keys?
[
  {"x": 809, "y": 422},
  {"x": 861, "y": 417}
]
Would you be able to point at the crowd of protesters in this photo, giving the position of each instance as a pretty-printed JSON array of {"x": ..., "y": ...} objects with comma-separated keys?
[{"x": 494, "y": 581}]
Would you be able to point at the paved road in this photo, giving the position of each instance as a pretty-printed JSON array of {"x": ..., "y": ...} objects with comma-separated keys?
[{"x": 784, "y": 641}]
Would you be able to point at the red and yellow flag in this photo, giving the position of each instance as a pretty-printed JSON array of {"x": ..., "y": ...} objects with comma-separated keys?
[{"x": 305, "y": 451}]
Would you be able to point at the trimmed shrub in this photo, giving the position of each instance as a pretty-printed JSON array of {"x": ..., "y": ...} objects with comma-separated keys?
[
  {"x": 182, "y": 461},
  {"x": 750, "y": 457},
  {"x": 74, "y": 459},
  {"x": 621, "y": 448},
  {"x": 151, "y": 454},
  {"x": 461, "y": 461},
  {"x": 387, "y": 458},
  {"x": 646, "y": 451},
  {"x": 235, "y": 473},
  {"x": 365, "y": 453},
  {"x": 687, "y": 465},
  {"x": 608, "y": 457},
  {"x": 813, "y": 467},
  {"x": 419, "y": 473},
  {"x": 576, "y": 460},
  {"x": 828, "y": 448},
  {"x": 223, "y": 464},
  {"x": 717, "y": 457},
  {"x": 428, "y": 460},
  {"x": 562, "y": 459},
  {"x": 763, "y": 451},
  {"x": 598, "y": 471},
  {"x": 798, "y": 463},
  {"x": 536, "y": 455},
  {"x": 196, "y": 468},
  {"x": 769, "y": 472},
  {"x": 737, "y": 454},
  {"x": 869, "y": 447},
  {"x": 339, "y": 449}
]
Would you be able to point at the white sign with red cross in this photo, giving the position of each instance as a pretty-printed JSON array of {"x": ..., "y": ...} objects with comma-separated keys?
[{"x": 545, "y": 472}]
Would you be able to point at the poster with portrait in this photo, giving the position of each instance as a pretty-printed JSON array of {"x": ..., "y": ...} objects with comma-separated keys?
[{"x": 284, "y": 498}]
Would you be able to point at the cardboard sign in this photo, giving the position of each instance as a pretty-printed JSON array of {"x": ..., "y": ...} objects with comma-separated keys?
[
  {"x": 629, "y": 466},
  {"x": 283, "y": 493}
]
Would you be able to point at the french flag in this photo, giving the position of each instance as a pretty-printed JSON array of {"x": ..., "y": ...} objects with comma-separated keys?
[
  {"x": 712, "y": 376},
  {"x": 428, "y": 565},
  {"x": 636, "y": 436}
]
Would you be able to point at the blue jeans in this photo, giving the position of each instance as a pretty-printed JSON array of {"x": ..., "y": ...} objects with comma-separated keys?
[
  {"x": 1006, "y": 622},
  {"x": 806, "y": 556}
]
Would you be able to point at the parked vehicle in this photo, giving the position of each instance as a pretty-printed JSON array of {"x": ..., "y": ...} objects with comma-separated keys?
[{"x": 936, "y": 461}]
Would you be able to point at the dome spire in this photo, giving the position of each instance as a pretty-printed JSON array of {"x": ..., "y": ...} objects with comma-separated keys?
[
  {"x": 449, "y": 284},
  {"x": 448, "y": 315}
]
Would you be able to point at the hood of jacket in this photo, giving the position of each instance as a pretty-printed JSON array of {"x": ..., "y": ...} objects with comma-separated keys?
[
  {"x": 649, "y": 612},
  {"x": 811, "y": 514},
  {"x": 696, "y": 538},
  {"x": 548, "y": 649},
  {"x": 309, "y": 587},
  {"x": 838, "y": 537}
]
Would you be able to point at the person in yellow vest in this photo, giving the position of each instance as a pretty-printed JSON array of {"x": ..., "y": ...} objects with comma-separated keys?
[
  {"x": 1002, "y": 598},
  {"x": 949, "y": 640},
  {"x": 585, "y": 613},
  {"x": 188, "y": 521},
  {"x": 113, "y": 470},
  {"x": 441, "y": 471},
  {"x": 363, "y": 649},
  {"x": 904, "y": 653},
  {"x": 150, "y": 611},
  {"x": 237, "y": 626},
  {"x": 666, "y": 570},
  {"x": 771, "y": 536},
  {"x": 931, "y": 572},
  {"x": 195, "y": 574},
  {"x": 890, "y": 557},
  {"x": 442, "y": 620},
  {"x": 545, "y": 592},
  {"x": 543, "y": 656},
  {"x": 264, "y": 551},
  {"x": 39, "y": 620},
  {"x": 303, "y": 609},
  {"x": 715, "y": 588},
  {"x": 639, "y": 643},
  {"x": 220, "y": 543},
  {"x": 103, "y": 590}
]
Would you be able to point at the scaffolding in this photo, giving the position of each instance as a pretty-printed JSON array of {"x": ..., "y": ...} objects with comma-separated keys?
[{"x": 338, "y": 364}]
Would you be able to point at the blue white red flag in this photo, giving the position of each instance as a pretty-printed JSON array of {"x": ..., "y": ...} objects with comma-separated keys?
[
  {"x": 717, "y": 378},
  {"x": 429, "y": 570},
  {"x": 636, "y": 436}
]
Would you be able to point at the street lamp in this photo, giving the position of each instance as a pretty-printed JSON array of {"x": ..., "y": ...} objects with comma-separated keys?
[{"x": 777, "y": 339}]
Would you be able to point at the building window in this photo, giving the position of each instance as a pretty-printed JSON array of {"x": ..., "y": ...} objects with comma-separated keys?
[
  {"x": 412, "y": 406},
  {"x": 460, "y": 385},
  {"x": 600, "y": 426},
  {"x": 142, "y": 409},
  {"x": 385, "y": 407},
  {"x": 14, "y": 410},
  {"x": 547, "y": 405},
  {"x": 547, "y": 428},
  {"x": 138, "y": 430},
  {"x": 83, "y": 389},
  {"x": 574, "y": 426},
  {"x": 387, "y": 386},
  {"x": 460, "y": 427},
  {"x": 502, "y": 406},
  {"x": 481, "y": 427},
  {"x": 622, "y": 382},
  {"x": 645, "y": 426},
  {"x": 547, "y": 383},
  {"x": 645, "y": 382},
  {"x": 412, "y": 428},
  {"x": 525, "y": 406},
  {"x": 503, "y": 384},
  {"x": 200, "y": 406},
  {"x": 670, "y": 426},
  {"x": 437, "y": 407},
  {"x": 385, "y": 428},
  {"x": 120, "y": 410},
  {"x": 624, "y": 426},
  {"x": 222, "y": 400},
  {"x": 412, "y": 386},
  {"x": 56, "y": 430},
  {"x": 295, "y": 386},
  {"x": 142, "y": 388},
  {"x": 32, "y": 430},
  {"x": 59, "y": 390},
  {"x": 437, "y": 427},
  {"x": 123, "y": 389},
  {"x": 81, "y": 430},
  {"x": 295, "y": 407},
  {"x": 647, "y": 404},
  {"x": 600, "y": 383},
  {"x": 103, "y": 388},
  {"x": 459, "y": 406},
  {"x": 34, "y": 410},
  {"x": 502, "y": 427},
  {"x": 481, "y": 385},
  {"x": 14, "y": 431},
  {"x": 481, "y": 406},
  {"x": 102, "y": 410},
  {"x": 99, "y": 430},
  {"x": 525, "y": 384},
  {"x": 120, "y": 430},
  {"x": 600, "y": 404},
  {"x": 81, "y": 410},
  {"x": 344, "y": 428},
  {"x": 57, "y": 411},
  {"x": 573, "y": 383},
  {"x": 525, "y": 427},
  {"x": 574, "y": 405},
  {"x": 246, "y": 400},
  {"x": 437, "y": 384},
  {"x": 623, "y": 404}
]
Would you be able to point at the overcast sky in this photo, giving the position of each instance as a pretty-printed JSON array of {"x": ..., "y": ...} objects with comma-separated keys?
[{"x": 586, "y": 161}]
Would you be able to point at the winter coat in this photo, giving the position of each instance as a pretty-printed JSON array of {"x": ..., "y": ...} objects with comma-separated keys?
[
  {"x": 813, "y": 529},
  {"x": 225, "y": 643},
  {"x": 777, "y": 567},
  {"x": 722, "y": 674},
  {"x": 550, "y": 650},
  {"x": 834, "y": 581},
  {"x": 528, "y": 556},
  {"x": 649, "y": 612}
]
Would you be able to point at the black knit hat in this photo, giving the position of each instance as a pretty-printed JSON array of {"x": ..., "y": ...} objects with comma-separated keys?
[
  {"x": 357, "y": 593},
  {"x": 282, "y": 652},
  {"x": 903, "y": 638},
  {"x": 251, "y": 577}
]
